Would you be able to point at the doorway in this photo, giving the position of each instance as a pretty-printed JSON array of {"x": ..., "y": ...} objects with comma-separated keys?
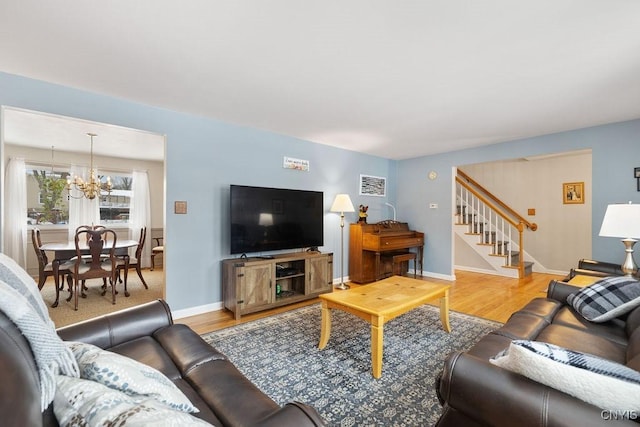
[
  {"x": 533, "y": 187},
  {"x": 47, "y": 141}
]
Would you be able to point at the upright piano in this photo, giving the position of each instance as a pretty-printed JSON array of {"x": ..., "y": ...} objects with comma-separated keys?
[{"x": 368, "y": 241}]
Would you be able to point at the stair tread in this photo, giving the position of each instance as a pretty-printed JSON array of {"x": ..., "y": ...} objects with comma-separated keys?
[{"x": 526, "y": 264}]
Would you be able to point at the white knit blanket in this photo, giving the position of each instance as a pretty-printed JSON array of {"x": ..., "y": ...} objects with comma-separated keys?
[{"x": 20, "y": 301}]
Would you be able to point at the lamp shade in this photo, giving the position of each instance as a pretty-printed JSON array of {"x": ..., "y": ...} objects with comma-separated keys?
[
  {"x": 342, "y": 203},
  {"x": 621, "y": 220}
]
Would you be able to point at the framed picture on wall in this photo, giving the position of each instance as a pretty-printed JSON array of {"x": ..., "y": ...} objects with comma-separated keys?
[
  {"x": 373, "y": 186},
  {"x": 573, "y": 193}
]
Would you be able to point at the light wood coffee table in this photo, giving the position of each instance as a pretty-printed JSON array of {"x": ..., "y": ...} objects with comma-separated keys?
[{"x": 379, "y": 302}]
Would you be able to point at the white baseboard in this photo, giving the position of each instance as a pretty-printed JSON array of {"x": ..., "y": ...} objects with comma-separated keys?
[
  {"x": 194, "y": 311},
  {"x": 477, "y": 270},
  {"x": 336, "y": 281},
  {"x": 482, "y": 271},
  {"x": 449, "y": 277}
]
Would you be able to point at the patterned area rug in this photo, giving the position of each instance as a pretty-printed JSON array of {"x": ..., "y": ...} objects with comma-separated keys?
[{"x": 280, "y": 355}]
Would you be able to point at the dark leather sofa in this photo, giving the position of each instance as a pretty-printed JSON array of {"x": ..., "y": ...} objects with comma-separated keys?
[
  {"x": 590, "y": 267},
  {"x": 224, "y": 396},
  {"x": 475, "y": 392}
]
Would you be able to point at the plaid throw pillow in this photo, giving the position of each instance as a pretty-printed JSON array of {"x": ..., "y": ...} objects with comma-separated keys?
[
  {"x": 607, "y": 298},
  {"x": 600, "y": 382}
]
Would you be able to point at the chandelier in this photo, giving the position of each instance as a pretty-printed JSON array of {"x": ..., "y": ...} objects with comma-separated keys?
[{"x": 92, "y": 187}]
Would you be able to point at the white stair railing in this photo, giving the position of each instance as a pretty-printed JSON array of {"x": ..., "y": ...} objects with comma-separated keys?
[{"x": 492, "y": 224}]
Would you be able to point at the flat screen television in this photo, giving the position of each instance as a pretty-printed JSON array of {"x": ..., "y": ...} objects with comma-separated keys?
[{"x": 270, "y": 219}]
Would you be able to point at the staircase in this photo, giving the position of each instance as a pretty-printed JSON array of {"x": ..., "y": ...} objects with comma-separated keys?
[{"x": 491, "y": 228}]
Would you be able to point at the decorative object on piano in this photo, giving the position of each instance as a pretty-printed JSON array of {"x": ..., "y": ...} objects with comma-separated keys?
[
  {"x": 373, "y": 186},
  {"x": 93, "y": 186},
  {"x": 636, "y": 174},
  {"x": 362, "y": 215},
  {"x": 342, "y": 204}
]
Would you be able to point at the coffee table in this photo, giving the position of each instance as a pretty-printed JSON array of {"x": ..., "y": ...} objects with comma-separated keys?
[{"x": 379, "y": 302}]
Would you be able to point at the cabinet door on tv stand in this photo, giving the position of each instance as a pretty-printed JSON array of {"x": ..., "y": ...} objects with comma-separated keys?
[
  {"x": 255, "y": 286},
  {"x": 319, "y": 274}
]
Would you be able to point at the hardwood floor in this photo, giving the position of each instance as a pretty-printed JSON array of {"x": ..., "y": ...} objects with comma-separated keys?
[{"x": 483, "y": 295}]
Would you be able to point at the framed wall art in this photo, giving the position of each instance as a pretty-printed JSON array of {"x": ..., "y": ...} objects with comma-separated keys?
[
  {"x": 373, "y": 186},
  {"x": 573, "y": 193}
]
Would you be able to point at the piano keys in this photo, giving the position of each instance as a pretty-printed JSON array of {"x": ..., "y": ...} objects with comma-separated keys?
[{"x": 368, "y": 241}]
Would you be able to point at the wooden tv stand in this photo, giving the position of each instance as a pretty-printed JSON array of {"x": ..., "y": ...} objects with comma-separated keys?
[{"x": 259, "y": 283}]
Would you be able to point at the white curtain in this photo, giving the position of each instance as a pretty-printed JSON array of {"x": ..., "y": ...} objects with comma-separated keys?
[
  {"x": 82, "y": 211},
  {"x": 140, "y": 214},
  {"x": 15, "y": 224}
]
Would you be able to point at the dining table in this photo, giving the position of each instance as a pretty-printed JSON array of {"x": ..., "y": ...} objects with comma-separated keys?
[
  {"x": 64, "y": 251},
  {"x": 67, "y": 250}
]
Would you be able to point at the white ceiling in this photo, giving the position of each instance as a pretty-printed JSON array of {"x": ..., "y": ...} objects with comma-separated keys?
[{"x": 393, "y": 78}]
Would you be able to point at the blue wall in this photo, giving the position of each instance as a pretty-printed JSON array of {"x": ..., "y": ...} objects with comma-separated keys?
[
  {"x": 615, "y": 153},
  {"x": 203, "y": 157}
]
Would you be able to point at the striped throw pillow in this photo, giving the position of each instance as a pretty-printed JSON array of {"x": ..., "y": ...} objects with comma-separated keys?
[{"x": 607, "y": 298}]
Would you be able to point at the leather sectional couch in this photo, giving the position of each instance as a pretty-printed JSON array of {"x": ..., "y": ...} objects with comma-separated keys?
[
  {"x": 147, "y": 334},
  {"x": 475, "y": 392},
  {"x": 589, "y": 267}
]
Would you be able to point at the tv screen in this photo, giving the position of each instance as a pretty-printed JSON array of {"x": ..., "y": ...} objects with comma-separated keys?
[{"x": 270, "y": 219}]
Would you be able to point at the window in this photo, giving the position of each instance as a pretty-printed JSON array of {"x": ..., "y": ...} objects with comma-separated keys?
[
  {"x": 115, "y": 207},
  {"x": 47, "y": 201}
]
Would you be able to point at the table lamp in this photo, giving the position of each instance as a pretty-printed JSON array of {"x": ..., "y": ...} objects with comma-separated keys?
[
  {"x": 342, "y": 204},
  {"x": 623, "y": 220}
]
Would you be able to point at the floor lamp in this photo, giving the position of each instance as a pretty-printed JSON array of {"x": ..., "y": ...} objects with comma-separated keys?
[
  {"x": 623, "y": 220},
  {"x": 342, "y": 204}
]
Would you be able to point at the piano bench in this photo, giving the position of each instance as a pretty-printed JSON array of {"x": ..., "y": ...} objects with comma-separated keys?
[{"x": 398, "y": 263}]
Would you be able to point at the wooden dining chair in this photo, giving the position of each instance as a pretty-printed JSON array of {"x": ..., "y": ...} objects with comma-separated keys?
[
  {"x": 157, "y": 249},
  {"x": 133, "y": 262},
  {"x": 45, "y": 268},
  {"x": 90, "y": 227},
  {"x": 95, "y": 264},
  {"x": 104, "y": 256}
]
